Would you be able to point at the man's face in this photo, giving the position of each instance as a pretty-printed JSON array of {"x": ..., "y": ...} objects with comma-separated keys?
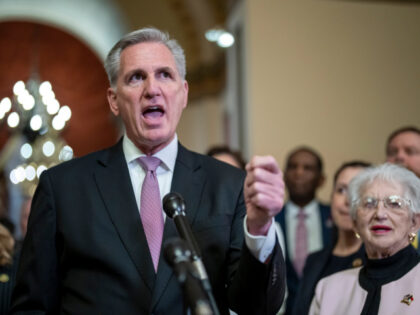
[
  {"x": 149, "y": 95},
  {"x": 302, "y": 175},
  {"x": 404, "y": 149}
]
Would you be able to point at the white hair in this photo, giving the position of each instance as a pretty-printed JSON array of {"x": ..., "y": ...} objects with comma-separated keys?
[
  {"x": 144, "y": 35},
  {"x": 388, "y": 173}
]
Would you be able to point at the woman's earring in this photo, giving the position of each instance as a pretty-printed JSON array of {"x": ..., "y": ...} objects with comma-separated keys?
[
  {"x": 357, "y": 235},
  {"x": 411, "y": 237}
]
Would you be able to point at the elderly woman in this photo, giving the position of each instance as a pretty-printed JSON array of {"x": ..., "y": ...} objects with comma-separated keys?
[{"x": 385, "y": 207}]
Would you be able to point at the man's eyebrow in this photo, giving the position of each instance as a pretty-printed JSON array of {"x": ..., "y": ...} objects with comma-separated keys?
[
  {"x": 165, "y": 68},
  {"x": 135, "y": 70}
]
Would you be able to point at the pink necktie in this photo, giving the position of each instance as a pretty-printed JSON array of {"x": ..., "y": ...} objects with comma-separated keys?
[
  {"x": 151, "y": 207},
  {"x": 301, "y": 247}
]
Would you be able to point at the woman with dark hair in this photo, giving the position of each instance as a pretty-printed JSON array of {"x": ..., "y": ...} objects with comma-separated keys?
[
  {"x": 346, "y": 250},
  {"x": 227, "y": 155}
]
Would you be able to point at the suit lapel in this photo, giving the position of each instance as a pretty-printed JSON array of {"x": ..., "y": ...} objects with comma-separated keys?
[
  {"x": 114, "y": 183},
  {"x": 188, "y": 180}
]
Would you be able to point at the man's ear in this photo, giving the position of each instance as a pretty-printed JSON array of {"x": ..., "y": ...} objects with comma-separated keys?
[
  {"x": 186, "y": 88},
  {"x": 112, "y": 101},
  {"x": 321, "y": 181}
]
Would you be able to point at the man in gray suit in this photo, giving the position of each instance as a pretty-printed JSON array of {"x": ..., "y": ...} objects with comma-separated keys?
[{"x": 88, "y": 249}]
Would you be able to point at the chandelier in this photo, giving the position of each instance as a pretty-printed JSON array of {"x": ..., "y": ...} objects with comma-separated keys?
[{"x": 35, "y": 116}]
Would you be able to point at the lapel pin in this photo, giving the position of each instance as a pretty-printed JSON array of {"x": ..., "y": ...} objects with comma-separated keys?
[
  {"x": 4, "y": 278},
  {"x": 357, "y": 262},
  {"x": 407, "y": 299}
]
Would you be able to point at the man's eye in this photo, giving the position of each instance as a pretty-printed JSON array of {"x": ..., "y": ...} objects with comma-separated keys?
[
  {"x": 392, "y": 152},
  {"x": 412, "y": 151},
  {"x": 136, "y": 77},
  {"x": 166, "y": 74}
]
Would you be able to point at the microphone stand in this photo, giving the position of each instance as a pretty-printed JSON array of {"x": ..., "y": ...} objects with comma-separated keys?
[
  {"x": 178, "y": 256},
  {"x": 174, "y": 207}
]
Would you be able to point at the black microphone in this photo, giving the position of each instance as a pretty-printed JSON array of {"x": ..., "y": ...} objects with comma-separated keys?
[
  {"x": 174, "y": 207},
  {"x": 178, "y": 255}
]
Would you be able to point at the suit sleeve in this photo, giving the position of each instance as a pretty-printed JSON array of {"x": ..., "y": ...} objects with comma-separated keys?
[
  {"x": 257, "y": 288},
  {"x": 36, "y": 290}
]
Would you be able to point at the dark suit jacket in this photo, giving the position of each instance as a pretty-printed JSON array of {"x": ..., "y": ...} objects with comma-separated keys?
[
  {"x": 292, "y": 277},
  {"x": 86, "y": 252}
]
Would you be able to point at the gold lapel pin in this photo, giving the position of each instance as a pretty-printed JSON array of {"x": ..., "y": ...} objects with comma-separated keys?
[
  {"x": 4, "y": 277},
  {"x": 407, "y": 299},
  {"x": 357, "y": 262}
]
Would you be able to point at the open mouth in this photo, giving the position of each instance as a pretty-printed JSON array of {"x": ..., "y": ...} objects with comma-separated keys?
[
  {"x": 379, "y": 229},
  {"x": 153, "y": 112}
]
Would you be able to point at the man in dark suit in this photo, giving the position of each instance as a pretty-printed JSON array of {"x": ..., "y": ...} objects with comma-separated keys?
[
  {"x": 89, "y": 251},
  {"x": 303, "y": 176},
  {"x": 403, "y": 147}
]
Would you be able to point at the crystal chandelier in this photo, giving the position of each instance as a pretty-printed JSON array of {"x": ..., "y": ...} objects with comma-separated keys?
[{"x": 34, "y": 114}]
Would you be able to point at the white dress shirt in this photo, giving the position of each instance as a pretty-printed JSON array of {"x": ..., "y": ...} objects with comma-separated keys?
[
  {"x": 313, "y": 226},
  {"x": 260, "y": 246}
]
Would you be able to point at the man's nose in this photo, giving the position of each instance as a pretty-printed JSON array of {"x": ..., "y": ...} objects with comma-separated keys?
[
  {"x": 400, "y": 157},
  {"x": 151, "y": 87},
  {"x": 300, "y": 170}
]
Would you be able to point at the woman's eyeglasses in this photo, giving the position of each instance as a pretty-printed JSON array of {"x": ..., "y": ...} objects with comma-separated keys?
[{"x": 393, "y": 202}]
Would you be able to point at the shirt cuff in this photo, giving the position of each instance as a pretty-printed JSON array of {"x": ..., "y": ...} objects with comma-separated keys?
[{"x": 261, "y": 246}]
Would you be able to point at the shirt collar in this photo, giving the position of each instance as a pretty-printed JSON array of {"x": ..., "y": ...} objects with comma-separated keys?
[
  {"x": 167, "y": 155},
  {"x": 308, "y": 209}
]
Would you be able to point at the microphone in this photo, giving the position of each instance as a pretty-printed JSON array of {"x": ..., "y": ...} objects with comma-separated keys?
[
  {"x": 178, "y": 256},
  {"x": 174, "y": 207}
]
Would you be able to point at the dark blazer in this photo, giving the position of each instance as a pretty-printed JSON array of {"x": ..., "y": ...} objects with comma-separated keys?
[
  {"x": 86, "y": 252},
  {"x": 292, "y": 277}
]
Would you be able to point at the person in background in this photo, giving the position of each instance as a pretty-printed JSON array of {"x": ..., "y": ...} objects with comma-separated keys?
[
  {"x": 8, "y": 267},
  {"x": 25, "y": 210},
  {"x": 97, "y": 230},
  {"x": 345, "y": 251},
  {"x": 306, "y": 223},
  {"x": 227, "y": 155},
  {"x": 385, "y": 207},
  {"x": 403, "y": 148}
]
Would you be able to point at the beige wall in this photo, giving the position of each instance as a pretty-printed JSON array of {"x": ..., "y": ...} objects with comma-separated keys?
[
  {"x": 201, "y": 124},
  {"x": 336, "y": 75}
]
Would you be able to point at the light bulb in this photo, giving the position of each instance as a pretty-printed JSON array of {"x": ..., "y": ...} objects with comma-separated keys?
[
  {"x": 45, "y": 88},
  {"x": 13, "y": 120},
  {"x": 65, "y": 112},
  {"x": 53, "y": 106},
  {"x": 30, "y": 172},
  {"x": 48, "y": 148},
  {"x": 26, "y": 150},
  {"x": 66, "y": 153},
  {"x": 58, "y": 122},
  {"x": 40, "y": 169},
  {"x": 36, "y": 122},
  {"x": 19, "y": 87},
  {"x": 225, "y": 40},
  {"x": 5, "y": 105}
]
